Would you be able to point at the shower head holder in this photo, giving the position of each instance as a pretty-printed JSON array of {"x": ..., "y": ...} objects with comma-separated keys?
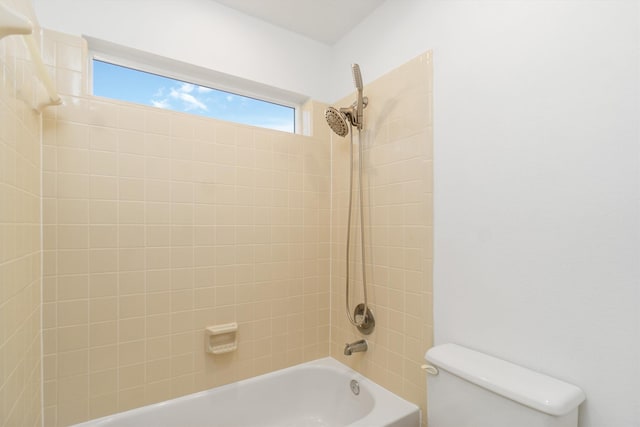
[{"x": 341, "y": 120}]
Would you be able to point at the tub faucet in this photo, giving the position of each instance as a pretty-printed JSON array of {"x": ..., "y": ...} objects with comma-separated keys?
[{"x": 354, "y": 347}]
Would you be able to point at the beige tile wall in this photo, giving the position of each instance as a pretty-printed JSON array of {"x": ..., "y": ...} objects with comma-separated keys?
[
  {"x": 398, "y": 200},
  {"x": 158, "y": 224},
  {"x": 20, "y": 254}
]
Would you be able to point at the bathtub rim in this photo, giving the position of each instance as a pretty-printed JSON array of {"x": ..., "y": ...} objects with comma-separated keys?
[{"x": 395, "y": 408}]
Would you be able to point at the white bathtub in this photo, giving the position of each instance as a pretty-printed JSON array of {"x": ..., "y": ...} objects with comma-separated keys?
[{"x": 313, "y": 394}]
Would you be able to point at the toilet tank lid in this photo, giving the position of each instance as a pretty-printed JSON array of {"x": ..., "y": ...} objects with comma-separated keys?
[{"x": 533, "y": 389}]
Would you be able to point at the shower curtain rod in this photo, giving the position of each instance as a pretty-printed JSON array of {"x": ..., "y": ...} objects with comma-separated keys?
[{"x": 12, "y": 23}]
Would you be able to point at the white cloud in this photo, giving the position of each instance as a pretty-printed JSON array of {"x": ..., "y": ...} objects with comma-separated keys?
[
  {"x": 187, "y": 97},
  {"x": 160, "y": 100},
  {"x": 161, "y": 103},
  {"x": 190, "y": 101},
  {"x": 184, "y": 92},
  {"x": 187, "y": 88}
]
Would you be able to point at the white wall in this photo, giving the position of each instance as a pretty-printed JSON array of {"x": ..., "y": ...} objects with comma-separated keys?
[
  {"x": 198, "y": 32},
  {"x": 536, "y": 180}
]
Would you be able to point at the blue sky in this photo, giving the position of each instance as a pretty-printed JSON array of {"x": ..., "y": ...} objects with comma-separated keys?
[{"x": 113, "y": 81}]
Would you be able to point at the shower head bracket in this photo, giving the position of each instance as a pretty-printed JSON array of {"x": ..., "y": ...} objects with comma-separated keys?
[
  {"x": 359, "y": 105},
  {"x": 343, "y": 119},
  {"x": 352, "y": 111},
  {"x": 365, "y": 102}
]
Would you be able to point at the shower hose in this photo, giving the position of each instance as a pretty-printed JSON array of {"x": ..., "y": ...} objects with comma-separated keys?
[{"x": 352, "y": 319}]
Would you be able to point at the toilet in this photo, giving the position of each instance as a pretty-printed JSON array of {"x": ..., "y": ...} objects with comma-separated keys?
[{"x": 471, "y": 389}]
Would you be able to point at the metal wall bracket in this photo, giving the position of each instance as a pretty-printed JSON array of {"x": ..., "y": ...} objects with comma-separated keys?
[{"x": 368, "y": 322}]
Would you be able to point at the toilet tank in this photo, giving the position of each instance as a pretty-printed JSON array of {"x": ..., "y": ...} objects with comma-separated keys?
[{"x": 472, "y": 389}]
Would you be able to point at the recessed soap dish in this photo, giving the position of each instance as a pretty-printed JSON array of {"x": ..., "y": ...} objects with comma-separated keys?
[{"x": 221, "y": 339}]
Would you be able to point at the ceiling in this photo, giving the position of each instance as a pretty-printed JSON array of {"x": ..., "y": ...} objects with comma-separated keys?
[{"x": 325, "y": 21}]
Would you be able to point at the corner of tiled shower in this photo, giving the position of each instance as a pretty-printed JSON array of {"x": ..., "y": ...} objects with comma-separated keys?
[
  {"x": 20, "y": 245},
  {"x": 398, "y": 200},
  {"x": 157, "y": 224}
]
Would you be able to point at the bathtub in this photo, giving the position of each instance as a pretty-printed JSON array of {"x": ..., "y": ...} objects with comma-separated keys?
[{"x": 313, "y": 394}]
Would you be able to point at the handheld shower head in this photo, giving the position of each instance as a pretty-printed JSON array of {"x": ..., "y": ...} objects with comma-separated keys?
[
  {"x": 357, "y": 81},
  {"x": 337, "y": 120},
  {"x": 357, "y": 76}
]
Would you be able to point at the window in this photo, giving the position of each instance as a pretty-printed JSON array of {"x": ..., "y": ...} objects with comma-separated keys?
[{"x": 129, "y": 84}]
